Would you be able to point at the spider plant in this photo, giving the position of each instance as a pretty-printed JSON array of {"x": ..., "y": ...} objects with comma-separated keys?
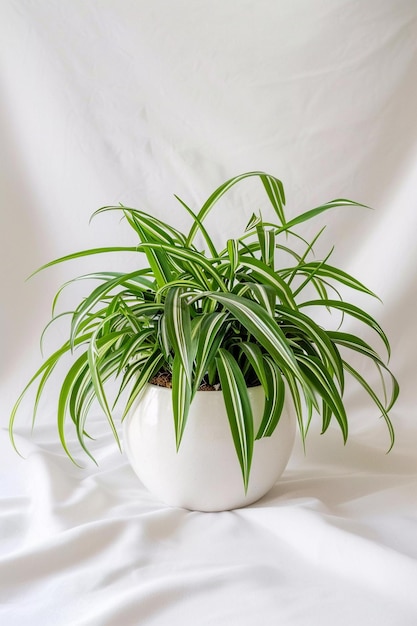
[{"x": 231, "y": 318}]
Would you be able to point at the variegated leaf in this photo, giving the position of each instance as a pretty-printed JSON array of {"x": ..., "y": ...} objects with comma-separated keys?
[
  {"x": 274, "y": 401},
  {"x": 178, "y": 324},
  {"x": 239, "y": 410}
]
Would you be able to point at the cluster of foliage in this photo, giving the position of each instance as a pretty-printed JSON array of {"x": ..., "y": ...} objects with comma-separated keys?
[{"x": 229, "y": 318}]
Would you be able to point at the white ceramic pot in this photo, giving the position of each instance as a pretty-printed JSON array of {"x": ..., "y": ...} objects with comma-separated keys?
[{"x": 205, "y": 474}]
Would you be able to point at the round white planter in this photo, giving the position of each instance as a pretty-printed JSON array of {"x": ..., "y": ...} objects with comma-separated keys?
[{"x": 205, "y": 474}]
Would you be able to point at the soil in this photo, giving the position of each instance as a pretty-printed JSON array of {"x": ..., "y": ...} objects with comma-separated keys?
[{"x": 164, "y": 379}]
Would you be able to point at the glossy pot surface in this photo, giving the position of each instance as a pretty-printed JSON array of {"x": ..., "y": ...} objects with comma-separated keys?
[{"x": 205, "y": 474}]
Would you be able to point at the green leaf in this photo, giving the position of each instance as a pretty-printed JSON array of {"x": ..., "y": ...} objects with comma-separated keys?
[
  {"x": 264, "y": 329},
  {"x": 355, "y": 343},
  {"x": 143, "y": 373},
  {"x": 275, "y": 191},
  {"x": 354, "y": 311},
  {"x": 195, "y": 259},
  {"x": 102, "y": 291},
  {"x": 163, "y": 338},
  {"x": 274, "y": 401},
  {"x": 328, "y": 352},
  {"x": 254, "y": 221},
  {"x": 301, "y": 259},
  {"x": 95, "y": 351},
  {"x": 266, "y": 238},
  {"x": 150, "y": 229},
  {"x": 178, "y": 324},
  {"x": 181, "y": 282},
  {"x": 200, "y": 225},
  {"x": 68, "y": 388},
  {"x": 220, "y": 191},
  {"x": 358, "y": 345},
  {"x": 238, "y": 409},
  {"x": 308, "y": 215},
  {"x": 139, "y": 278},
  {"x": 43, "y": 373},
  {"x": 375, "y": 398},
  {"x": 143, "y": 222},
  {"x": 323, "y": 383},
  {"x": 328, "y": 271},
  {"x": 265, "y": 295},
  {"x": 181, "y": 398},
  {"x": 268, "y": 276},
  {"x": 212, "y": 331},
  {"x": 83, "y": 253},
  {"x": 157, "y": 258},
  {"x": 309, "y": 400},
  {"x": 254, "y": 354},
  {"x": 134, "y": 346},
  {"x": 311, "y": 275},
  {"x": 81, "y": 398},
  {"x": 233, "y": 251}
]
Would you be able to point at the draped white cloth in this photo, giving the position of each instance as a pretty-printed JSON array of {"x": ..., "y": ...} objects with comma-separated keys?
[{"x": 106, "y": 101}]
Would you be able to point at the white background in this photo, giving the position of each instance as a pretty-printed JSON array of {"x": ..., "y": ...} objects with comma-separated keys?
[{"x": 106, "y": 101}]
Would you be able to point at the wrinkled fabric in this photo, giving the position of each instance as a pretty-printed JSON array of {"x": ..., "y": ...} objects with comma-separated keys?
[
  {"x": 104, "y": 102},
  {"x": 334, "y": 540}
]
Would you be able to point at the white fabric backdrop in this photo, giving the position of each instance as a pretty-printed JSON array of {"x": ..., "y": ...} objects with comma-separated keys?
[{"x": 106, "y": 101}]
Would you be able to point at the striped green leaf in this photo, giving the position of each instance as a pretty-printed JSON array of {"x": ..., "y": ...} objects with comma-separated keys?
[
  {"x": 239, "y": 410},
  {"x": 83, "y": 253},
  {"x": 275, "y": 190},
  {"x": 201, "y": 227},
  {"x": 220, "y": 191},
  {"x": 266, "y": 237},
  {"x": 101, "y": 292},
  {"x": 254, "y": 221},
  {"x": 43, "y": 373},
  {"x": 213, "y": 198},
  {"x": 303, "y": 400},
  {"x": 358, "y": 345},
  {"x": 163, "y": 338},
  {"x": 142, "y": 374},
  {"x": 157, "y": 258},
  {"x": 265, "y": 295},
  {"x": 375, "y": 398},
  {"x": 264, "y": 329},
  {"x": 96, "y": 350},
  {"x": 150, "y": 229},
  {"x": 134, "y": 346},
  {"x": 301, "y": 259},
  {"x": 195, "y": 258},
  {"x": 354, "y": 343},
  {"x": 154, "y": 228},
  {"x": 311, "y": 275},
  {"x": 308, "y": 215},
  {"x": 323, "y": 383},
  {"x": 70, "y": 384},
  {"x": 181, "y": 398},
  {"x": 141, "y": 279},
  {"x": 354, "y": 311},
  {"x": 328, "y": 271},
  {"x": 178, "y": 325},
  {"x": 267, "y": 276},
  {"x": 274, "y": 401},
  {"x": 212, "y": 331},
  {"x": 319, "y": 337},
  {"x": 256, "y": 358},
  {"x": 233, "y": 252}
]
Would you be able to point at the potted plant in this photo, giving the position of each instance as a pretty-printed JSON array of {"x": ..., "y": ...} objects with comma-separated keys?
[{"x": 203, "y": 333}]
